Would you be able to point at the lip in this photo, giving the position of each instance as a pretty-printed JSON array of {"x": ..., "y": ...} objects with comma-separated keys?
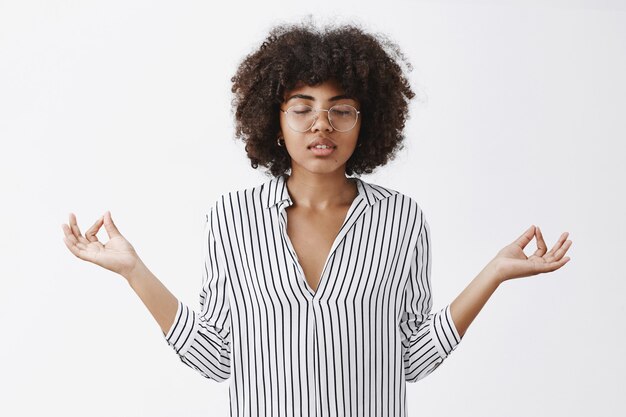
[
  {"x": 321, "y": 140},
  {"x": 322, "y": 152}
]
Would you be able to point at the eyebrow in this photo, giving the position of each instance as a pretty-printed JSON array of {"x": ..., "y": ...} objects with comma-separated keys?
[{"x": 304, "y": 96}]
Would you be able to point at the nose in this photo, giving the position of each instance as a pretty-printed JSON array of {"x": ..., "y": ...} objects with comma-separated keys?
[{"x": 322, "y": 122}]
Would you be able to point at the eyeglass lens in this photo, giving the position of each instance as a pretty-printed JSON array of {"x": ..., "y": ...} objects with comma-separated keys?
[{"x": 342, "y": 117}]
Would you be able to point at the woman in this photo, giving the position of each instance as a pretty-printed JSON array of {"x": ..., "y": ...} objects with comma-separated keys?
[{"x": 316, "y": 294}]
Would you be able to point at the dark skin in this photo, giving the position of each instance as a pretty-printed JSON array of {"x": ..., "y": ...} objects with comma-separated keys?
[
  {"x": 322, "y": 195},
  {"x": 318, "y": 186},
  {"x": 312, "y": 233}
]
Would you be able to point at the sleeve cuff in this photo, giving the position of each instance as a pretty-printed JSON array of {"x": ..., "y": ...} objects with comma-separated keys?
[
  {"x": 181, "y": 334},
  {"x": 445, "y": 334}
]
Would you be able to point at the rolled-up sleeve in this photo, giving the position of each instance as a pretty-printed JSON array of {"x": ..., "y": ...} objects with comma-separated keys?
[
  {"x": 427, "y": 338},
  {"x": 202, "y": 339}
]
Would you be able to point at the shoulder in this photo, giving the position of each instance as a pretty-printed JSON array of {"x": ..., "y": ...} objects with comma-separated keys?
[{"x": 378, "y": 193}]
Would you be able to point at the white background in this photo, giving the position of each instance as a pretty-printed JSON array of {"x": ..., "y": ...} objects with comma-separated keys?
[{"x": 125, "y": 106}]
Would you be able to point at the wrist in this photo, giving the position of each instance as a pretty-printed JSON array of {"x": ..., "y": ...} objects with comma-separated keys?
[
  {"x": 136, "y": 272},
  {"x": 493, "y": 272}
]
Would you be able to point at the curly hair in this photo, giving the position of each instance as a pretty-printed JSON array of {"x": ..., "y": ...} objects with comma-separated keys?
[{"x": 365, "y": 65}]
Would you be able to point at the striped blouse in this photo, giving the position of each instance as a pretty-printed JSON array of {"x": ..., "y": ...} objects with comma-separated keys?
[{"x": 346, "y": 349}]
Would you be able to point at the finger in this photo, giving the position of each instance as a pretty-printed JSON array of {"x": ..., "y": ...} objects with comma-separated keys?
[
  {"x": 557, "y": 245},
  {"x": 74, "y": 225},
  {"x": 541, "y": 244},
  {"x": 75, "y": 229},
  {"x": 72, "y": 239},
  {"x": 71, "y": 245},
  {"x": 93, "y": 230},
  {"x": 69, "y": 235},
  {"x": 75, "y": 247},
  {"x": 526, "y": 237},
  {"x": 552, "y": 266},
  {"x": 562, "y": 250},
  {"x": 110, "y": 226}
]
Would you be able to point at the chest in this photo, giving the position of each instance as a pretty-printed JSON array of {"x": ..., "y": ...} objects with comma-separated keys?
[{"x": 312, "y": 235}]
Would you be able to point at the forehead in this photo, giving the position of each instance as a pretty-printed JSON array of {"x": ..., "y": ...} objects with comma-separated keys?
[{"x": 329, "y": 90}]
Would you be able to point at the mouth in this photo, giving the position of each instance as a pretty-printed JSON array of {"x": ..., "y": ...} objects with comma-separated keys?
[{"x": 322, "y": 150}]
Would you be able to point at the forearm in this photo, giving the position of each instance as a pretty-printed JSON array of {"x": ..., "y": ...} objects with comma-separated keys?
[
  {"x": 157, "y": 298},
  {"x": 468, "y": 304}
]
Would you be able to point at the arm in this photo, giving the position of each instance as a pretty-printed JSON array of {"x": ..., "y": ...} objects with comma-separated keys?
[
  {"x": 202, "y": 340},
  {"x": 509, "y": 263},
  {"x": 427, "y": 338},
  {"x": 119, "y": 256},
  {"x": 468, "y": 304},
  {"x": 156, "y": 297}
]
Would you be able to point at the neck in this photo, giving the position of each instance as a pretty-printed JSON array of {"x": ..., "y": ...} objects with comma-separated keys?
[{"x": 321, "y": 191}]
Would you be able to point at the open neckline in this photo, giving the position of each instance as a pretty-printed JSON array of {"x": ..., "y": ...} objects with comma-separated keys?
[{"x": 343, "y": 229}]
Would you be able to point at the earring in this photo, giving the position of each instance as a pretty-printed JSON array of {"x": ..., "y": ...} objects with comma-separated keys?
[{"x": 278, "y": 141}]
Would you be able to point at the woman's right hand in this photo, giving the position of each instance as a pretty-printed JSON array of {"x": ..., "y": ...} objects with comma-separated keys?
[{"x": 117, "y": 255}]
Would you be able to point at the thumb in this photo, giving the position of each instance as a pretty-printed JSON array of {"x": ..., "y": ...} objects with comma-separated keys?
[{"x": 110, "y": 226}]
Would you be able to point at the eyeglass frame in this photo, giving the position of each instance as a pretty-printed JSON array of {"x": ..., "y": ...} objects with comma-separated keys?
[{"x": 317, "y": 115}]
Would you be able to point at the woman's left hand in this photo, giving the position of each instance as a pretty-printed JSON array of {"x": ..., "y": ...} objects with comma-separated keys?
[{"x": 511, "y": 261}]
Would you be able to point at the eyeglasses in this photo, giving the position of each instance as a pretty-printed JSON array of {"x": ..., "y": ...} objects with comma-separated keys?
[{"x": 301, "y": 117}]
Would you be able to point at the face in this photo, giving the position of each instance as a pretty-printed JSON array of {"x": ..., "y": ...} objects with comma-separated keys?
[{"x": 322, "y": 96}]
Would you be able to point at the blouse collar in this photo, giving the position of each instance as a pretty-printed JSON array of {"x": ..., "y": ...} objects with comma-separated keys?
[{"x": 275, "y": 191}]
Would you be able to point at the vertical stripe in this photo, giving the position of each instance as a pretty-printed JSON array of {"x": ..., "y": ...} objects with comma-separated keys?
[{"x": 346, "y": 349}]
